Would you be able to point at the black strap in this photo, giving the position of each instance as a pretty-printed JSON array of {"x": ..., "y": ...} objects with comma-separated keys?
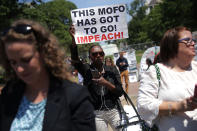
[
  {"x": 122, "y": 112},
  {"x": 127, "y": 98},
  {"x": 126, "y": 117}
]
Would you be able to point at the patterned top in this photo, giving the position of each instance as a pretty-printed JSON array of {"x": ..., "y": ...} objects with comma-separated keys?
[{"x": 29, "y": 116}]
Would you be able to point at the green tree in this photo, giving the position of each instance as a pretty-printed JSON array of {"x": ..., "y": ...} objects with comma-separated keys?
[
  {"x": 11, "y": 10},
  {"x": 58, "y": 19},
  {"x": 168, "y": 14},
  {"x": 135, "y": 27},
  {"x": 55, "y": 15},
  {"x": 153, "y": 25},
  {"x": 193, "y": 14},
  {"x": 8, "y": 10},
  {"x": 176, "y": 13}
]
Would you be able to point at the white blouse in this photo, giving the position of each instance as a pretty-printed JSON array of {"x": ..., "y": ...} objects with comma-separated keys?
[{"x": 175, "y": 86}]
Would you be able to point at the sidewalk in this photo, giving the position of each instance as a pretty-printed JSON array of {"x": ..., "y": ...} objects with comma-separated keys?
[{"x": 132, "y": 92}]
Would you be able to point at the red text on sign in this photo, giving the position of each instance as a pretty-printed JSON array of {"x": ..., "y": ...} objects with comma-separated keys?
[{"x": 97, "y": 38}]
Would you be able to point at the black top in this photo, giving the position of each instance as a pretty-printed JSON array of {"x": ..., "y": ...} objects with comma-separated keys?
[
  {"x": 103, "y": 98},
  {"x": 122, "y": 67},
  {"x": 68, "y": 106}
]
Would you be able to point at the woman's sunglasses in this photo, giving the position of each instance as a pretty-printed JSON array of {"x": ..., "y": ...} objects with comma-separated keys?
[
  {"x": 21, "y": 28},
  {"x": 187, "y": 41}
]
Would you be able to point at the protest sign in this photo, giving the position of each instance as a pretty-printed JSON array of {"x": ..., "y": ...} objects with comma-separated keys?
[
  {"x": 149, "y": 53},
  {"x": 100, "y": 23},
  {"x": 132, "y": 61}
]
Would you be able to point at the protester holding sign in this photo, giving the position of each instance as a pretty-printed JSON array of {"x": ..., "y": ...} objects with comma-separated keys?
[
  {"x": 166, "y": 93},
  {"x": 103, "y": 83}
]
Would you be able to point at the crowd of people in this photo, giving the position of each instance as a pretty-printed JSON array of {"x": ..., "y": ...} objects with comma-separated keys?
[{"x": 40, "y": 94}]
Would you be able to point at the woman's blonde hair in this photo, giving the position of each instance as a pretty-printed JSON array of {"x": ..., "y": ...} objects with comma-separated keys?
[
  {"x": 111, "y": 60},
  {"x": 46, "y": 44}
]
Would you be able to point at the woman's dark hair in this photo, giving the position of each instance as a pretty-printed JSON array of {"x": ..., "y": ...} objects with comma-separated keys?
[
  {"x": 169, "y": 43},
  {"x": 45, "y": 43},
  {"x": 148, "y": 62}
]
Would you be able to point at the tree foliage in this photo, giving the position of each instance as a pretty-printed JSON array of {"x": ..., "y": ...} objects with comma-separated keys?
[
  {"x": 138, "y": 12},
  {"x": 151, "y": 27},
  {"x": 8, "y": 11},
  {"x": 55, "y": 15}
]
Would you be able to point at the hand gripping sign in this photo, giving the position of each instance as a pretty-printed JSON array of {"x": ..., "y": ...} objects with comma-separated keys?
[{"x": 100, "y": 23}]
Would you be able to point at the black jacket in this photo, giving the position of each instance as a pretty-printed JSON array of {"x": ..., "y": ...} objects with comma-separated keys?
[
  {"x": 68, "y": 107},
  {"x": 122, "y": 67},
  {"x": 103, "y": 98}
]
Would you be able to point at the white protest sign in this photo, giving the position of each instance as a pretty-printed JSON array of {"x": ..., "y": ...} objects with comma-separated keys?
[
  {"x": 149, "y": 53},
  {"x": 133, "y": 72},
  {"x": 100, "y": 23}
]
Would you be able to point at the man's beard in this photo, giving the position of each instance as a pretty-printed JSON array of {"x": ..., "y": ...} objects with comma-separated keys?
[{"x": 98, "y": 63}]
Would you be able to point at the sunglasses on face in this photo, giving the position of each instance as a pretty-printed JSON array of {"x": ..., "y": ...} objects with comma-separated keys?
[
  {"x": 98, "y": 53},
  {"x": 187, "y": 41},
  {"x": 21, "y": 28}
]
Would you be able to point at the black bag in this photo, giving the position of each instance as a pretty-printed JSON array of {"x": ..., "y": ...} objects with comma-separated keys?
[{"x": 125, "y": 120}]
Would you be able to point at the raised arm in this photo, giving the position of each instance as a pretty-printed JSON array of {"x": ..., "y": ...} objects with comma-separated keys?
[
  {"x": 82, "y": 68},
  {"x": 73, "y": 46}
]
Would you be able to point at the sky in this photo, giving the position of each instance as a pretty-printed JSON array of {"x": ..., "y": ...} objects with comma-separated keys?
[{"x": 93, "y": 3}]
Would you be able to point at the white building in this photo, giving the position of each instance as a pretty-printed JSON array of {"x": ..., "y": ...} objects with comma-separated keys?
[{"x": 151, "y": 4}]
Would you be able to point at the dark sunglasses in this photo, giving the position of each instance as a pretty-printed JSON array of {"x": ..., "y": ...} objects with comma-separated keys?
[
  {"x": 21, "y": 28},
  {"x": 98, "y": 53}
]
